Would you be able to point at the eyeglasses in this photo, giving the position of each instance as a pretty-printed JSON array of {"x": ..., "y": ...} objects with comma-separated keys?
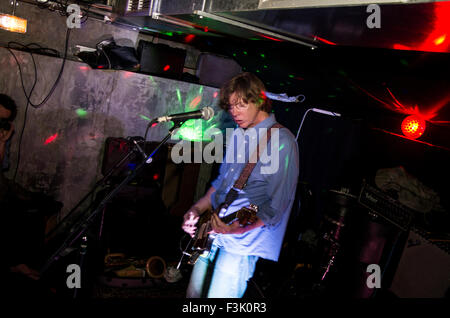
[{"x": 238, "y": 106}]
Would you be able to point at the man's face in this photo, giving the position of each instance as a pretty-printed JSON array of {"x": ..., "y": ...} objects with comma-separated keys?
[
  {"x": 4, "y": 113},
  {"x": 5, "y": 134},
  {"x": 246, "y": 115}
]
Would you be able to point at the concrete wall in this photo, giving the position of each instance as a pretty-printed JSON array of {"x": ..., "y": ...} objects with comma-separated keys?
[
  {"x": 63, "y": 140},
  {"x": 114, "y": 103}
]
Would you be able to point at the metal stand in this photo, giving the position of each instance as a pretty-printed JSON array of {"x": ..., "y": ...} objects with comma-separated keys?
[
  {"x": 80, "y": 228},
  {"x": 99, "y": 183},
  {"x": 342, "y": 204}
]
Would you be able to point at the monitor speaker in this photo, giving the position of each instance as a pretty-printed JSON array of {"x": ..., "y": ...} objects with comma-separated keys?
[
  {"x": 161, "y": 59},
  {"x": 215, "y": 70}
]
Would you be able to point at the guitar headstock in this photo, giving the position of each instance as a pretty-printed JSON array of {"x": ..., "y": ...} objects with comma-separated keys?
[{"x": 247, "y": 215}]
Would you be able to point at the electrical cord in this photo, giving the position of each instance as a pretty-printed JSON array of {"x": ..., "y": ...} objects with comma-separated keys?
[
  {"x": 39, "y": 50},
  {"x": 301, "y": 123},
  {"x": 82, "y": 21},
  {"x": 25, "y": 114},
  {"x": 318, "y": 110},
  {"x": 107, "y": 57},
  {"x": 150, "y": 124},
  {"x": 28, "y": 96}
]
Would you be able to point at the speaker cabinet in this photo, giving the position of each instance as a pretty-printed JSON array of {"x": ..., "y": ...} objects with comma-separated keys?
[
  {"x": 161, "y": 59},
  {"x": 214, "y": 70},
  {"x": 116, "y": 149},
  {"x": 423, "y": 270}
]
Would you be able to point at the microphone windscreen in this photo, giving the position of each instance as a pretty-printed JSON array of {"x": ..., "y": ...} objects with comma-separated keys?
[{"x": 207, "y": 113}]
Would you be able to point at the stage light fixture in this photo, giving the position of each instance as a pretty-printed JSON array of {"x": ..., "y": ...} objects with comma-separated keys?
[
  {"x": 413, "y": 126},
  {"x": 10, "y": 22}
]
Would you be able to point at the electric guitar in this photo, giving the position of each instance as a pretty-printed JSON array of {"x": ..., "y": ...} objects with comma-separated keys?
[{"x": 202, "y": 241}]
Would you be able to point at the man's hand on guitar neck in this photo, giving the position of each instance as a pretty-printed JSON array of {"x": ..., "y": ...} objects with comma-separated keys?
[{"x": 221, "y": 228}]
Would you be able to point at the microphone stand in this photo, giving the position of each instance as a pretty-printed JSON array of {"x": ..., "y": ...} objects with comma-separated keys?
[
  {"x": 81, "y": 227},
  {"x": 59, "y": 228}
]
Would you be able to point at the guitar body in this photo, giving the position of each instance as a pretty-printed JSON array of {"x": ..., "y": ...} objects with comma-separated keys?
[{"x": 202, "y": 240}]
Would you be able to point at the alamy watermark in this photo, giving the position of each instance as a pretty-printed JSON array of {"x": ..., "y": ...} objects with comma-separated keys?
[
  {"x": 374, "y": 279},
  {"x": 373, "y": 21},
  {"x": 74, "y": 19},
  {"x": 241, "y": 148},
  {"x": 74, "y": 279}
]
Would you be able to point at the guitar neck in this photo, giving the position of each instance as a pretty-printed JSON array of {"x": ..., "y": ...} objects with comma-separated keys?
[
  {"x": 227, "y": 219},
  {"x": 245, "y": 213}
]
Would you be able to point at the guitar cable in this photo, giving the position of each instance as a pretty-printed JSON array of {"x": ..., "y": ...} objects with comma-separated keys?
[{"x": 183, "y": 251}]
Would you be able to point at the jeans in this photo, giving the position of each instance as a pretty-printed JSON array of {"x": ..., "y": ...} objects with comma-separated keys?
[{"x": 221, "y": 275}]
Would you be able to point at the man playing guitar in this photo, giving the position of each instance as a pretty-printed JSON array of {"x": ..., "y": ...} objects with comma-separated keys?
[{"x": 223, "y": 272}]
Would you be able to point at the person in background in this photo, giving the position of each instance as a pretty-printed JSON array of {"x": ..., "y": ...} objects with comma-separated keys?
[
  {"x": 8, "y": 112},
  {"x": 10, "y": 194}
]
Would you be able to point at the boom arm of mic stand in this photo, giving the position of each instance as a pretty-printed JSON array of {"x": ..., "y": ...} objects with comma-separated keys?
[{"x": 82, "y": 227}]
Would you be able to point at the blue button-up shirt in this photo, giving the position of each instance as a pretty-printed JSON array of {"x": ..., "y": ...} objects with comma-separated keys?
[{"x": 271, "y": 187}]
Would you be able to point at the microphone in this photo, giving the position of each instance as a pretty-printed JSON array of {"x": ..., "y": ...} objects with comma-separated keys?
[
  {"x": 205, "y": 113},
  {"x": 326, "y": 112}
]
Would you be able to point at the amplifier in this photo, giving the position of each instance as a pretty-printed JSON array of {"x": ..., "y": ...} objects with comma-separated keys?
[
  {"x": 383, "y": 205},
  {"x": 116, "y": 149}
]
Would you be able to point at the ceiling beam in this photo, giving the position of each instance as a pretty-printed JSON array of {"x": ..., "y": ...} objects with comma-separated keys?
[{"x": 214, "y": 6}]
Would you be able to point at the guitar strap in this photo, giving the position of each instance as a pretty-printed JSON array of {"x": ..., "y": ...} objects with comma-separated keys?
[{"x": 241, "y": 182}]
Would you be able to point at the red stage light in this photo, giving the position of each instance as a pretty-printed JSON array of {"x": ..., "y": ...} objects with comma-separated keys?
[
  {"x": 413, "y": 127},
  {"x": 270, "y": 38},
  {"x": 188, "y": 38},
  {"x": 51, "y": 139},
  {"x": 195, "y": 102},
  {"x": 324, "y": 40}
]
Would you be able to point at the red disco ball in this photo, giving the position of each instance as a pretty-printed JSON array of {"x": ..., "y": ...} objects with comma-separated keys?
[{"x": 413, "y": 126}]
